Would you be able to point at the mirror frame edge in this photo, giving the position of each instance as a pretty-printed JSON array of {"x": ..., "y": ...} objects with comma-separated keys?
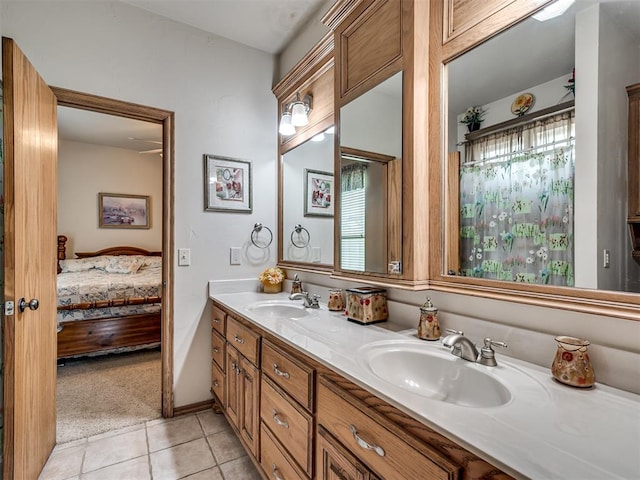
[
  {"x": 606, "y": 303},
  {"x": 318, "y": 61}
]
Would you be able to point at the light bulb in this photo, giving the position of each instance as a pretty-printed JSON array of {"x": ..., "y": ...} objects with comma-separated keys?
[
  {"x": 286, "y": 127},
  {"x": 299, "y": 115}
]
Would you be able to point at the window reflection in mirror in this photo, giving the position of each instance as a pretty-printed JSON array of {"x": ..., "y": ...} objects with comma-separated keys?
[
  {"x": 371, "y": 179},
  {"x": 307, "y": 201},
  {"x": 542, "y": 190}
]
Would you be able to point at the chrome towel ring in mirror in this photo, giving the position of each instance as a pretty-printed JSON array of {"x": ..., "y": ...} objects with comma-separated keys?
[
  {"x": 301, "y": 243},
  {"x": 255, "y": 233}
]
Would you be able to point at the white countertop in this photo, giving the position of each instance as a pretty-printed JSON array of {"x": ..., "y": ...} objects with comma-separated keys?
[{"x": 547, "y": 430}]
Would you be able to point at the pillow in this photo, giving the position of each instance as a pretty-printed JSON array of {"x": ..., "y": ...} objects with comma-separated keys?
[
  {"x": 73, "y": 265},
  {"x": 124, "y": 264},
  {"x": 151, "y": 264}
]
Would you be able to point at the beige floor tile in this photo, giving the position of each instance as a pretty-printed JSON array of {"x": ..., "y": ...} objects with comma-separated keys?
[
  {"x": 181, "y": 460},
  {"x": 115, "y": 449},
  {"x": 73, "y": 443},
  {"x": 136, "y": 469},
  {"x": 210, "y": 474},
  {"x": 212, "y": 422},
  {"x": 168, "y": 434},
  {"x": 63, "y": 463},
  {"x": 225, "y": 446},
  {"x": 119, "y": 431},
  {"x": 240, "y": 469}
]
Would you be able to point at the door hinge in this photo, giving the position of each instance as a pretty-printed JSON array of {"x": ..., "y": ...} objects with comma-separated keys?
[{"x": 9, "y": 308}]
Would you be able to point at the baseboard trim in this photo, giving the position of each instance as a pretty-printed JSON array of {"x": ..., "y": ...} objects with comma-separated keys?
[{"x": 192, "y": 408}]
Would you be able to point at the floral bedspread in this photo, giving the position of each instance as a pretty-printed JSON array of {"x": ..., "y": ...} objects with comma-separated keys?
[{"x": 96, "y": 284}]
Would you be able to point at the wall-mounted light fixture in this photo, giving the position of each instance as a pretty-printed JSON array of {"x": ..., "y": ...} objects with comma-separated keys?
[{"x": 295, "y": 114}]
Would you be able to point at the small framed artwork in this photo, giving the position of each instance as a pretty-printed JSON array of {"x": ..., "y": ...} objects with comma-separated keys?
[
  {"x": 227, "y": 184},
  {"x": 318, "y": 193},
  {"x": 116, "y": 210}
]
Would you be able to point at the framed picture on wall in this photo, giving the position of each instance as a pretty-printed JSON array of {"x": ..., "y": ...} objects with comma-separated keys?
[
  {"x": 318, "y": 193},
  {"x": 227, "y": 184},
  {"x": 116, "y": 210}
]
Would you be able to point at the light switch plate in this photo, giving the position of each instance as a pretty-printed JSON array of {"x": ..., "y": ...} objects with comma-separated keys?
[
  {"x": 184, "y": 257},
  {"x": 316, "y": 254},
  {"x": 235, "y": 256}
]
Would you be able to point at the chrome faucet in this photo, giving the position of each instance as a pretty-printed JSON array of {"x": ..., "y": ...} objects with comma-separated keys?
[
  {"x": 309, "y": 301},
  {"x": 461, "y": 346},
  {"x": 464, "y": 348}
]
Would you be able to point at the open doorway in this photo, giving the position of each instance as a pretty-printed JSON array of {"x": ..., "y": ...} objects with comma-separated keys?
[{"x": 109, "y": 282}]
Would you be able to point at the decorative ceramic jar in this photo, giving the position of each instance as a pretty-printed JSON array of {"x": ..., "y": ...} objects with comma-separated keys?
[
  {"x": 296, "y": 285},
  {"x": 366, "y": 305},
  {"x": 336, "y": 302},
  {"x": 571, "y": 364},
  {"x": 428, "y": 327},
  {"x": 272, "y": 287}
]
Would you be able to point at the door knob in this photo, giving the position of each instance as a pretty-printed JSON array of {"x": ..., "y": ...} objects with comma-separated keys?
[{"x": 33, "y": 304}]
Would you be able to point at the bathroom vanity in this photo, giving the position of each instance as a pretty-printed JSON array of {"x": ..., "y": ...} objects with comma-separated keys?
[{"x": 312, "y": 395}]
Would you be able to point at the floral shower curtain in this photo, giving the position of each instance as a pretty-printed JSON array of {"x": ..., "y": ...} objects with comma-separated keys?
[{"x": 516, "y": 203}]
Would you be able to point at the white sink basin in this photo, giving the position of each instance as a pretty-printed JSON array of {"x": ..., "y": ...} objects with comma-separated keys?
[
  {"x": 437, "y": 374},
  {"x": 278, "y": 309}
]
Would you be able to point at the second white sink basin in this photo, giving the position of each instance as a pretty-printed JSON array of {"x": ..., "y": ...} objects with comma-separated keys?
[
  {"x": 433, "y": 373},
  {"x": 278, "y": 309}
]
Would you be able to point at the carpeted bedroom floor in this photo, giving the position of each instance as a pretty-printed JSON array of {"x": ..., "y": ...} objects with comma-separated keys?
[{"x": 99, "y": 394}]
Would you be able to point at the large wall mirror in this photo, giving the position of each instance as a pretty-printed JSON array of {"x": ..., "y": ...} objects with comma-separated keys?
[
  {"x": 542, "y": 190},
  {"x": 370, "y": 162},
  {"x": 308, "y": 196}
]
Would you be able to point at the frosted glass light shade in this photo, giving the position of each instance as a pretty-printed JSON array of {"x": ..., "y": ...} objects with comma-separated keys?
[
  {"x": 286, "y": 127},
  {"x": 299, "y": 116}
]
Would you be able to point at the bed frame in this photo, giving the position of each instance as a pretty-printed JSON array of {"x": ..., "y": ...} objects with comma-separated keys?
[{"x": 105, "y": 335}]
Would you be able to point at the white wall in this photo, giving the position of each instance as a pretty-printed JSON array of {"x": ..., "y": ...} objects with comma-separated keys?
[
  {"x": 221, "y": 94},
  {"x": 84, "y": 170},
  {"x": 315, "y": 156}
]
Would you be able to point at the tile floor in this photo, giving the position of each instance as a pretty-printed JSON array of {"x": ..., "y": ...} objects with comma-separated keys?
[{"x": 197, "y": 447}]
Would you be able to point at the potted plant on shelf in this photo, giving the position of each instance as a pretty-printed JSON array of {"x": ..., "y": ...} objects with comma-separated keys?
[
  {"x": 473, "y": 117},
  {"x": 271, "y": 280}
]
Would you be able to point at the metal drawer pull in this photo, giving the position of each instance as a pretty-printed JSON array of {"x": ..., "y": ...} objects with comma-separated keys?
[
  {"x": 216, "y": 320},
  {"x": 276, "y": 475},
  {"x": 364, "y": 444},
  {"x": 238, "y": 339},
  {"x": 216, "y": 384},
  {"x": 276, "y": 419},
  {"x": 278, "y": 372},
  {"x": 216, "y": 350}
]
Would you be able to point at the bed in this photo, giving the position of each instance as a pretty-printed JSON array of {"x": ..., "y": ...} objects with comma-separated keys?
[{"x": 109, "y": 301}]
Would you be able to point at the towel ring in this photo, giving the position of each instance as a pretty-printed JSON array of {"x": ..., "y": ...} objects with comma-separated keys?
[
  {"x": 298, "y": 229},
  {"x": 257, "y": 228}
]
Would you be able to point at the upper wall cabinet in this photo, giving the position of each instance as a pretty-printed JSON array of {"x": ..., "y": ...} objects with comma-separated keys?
[{"x": 305, "y": 167}]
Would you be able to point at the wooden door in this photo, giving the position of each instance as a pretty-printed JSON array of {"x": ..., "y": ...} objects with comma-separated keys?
[{"x": 30, "y": 172}]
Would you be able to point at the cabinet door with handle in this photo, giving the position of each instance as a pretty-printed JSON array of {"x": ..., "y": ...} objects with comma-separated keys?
[
  {"x": 250, "y": 404},
  {"x": 234, "y": 386}
]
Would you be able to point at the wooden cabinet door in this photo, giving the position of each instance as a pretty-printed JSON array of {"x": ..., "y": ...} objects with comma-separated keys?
[
  {"x": 30, "y": 172},
  {"x": 250, "y": 404},
  {"x": 234, "y": 386},
  {"x": 336, "y": 463}
]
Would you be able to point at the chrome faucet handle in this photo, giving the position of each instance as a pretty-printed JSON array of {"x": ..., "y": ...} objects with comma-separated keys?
[
  {"x": 456, "y": 349},
  {"x": 314, "y": 301},
  {"x": 454, "y": 332},
  {"x": 487, "y": 354}
]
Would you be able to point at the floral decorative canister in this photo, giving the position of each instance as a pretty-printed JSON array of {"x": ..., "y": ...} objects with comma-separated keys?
[
  {"x": 429, "y": 326},
  {"x": 296, "y": 285},
  {"x": 571, "y": 364},
  {"x": 367, "y": 305},
  {"x": 335, "y": 302}
]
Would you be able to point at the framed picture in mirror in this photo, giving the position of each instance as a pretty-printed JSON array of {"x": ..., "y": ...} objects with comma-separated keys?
[
  {"x": 318, "y": 193},
  {"x": 116, "y": 210},
  {"x": 227, "y": 184}
]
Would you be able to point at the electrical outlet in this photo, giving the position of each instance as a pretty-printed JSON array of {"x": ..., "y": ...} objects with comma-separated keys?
[
  {"x": 184, "y": 257},
  {"x": 235, "y": 257}
]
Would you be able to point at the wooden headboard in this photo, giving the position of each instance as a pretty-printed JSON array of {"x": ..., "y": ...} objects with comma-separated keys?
[{"x": 119, "y": 250}]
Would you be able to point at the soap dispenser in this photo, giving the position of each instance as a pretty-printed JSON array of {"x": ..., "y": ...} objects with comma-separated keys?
[
  {"x": 296, "y": 285},
  {"x": 429, "y": 327}
]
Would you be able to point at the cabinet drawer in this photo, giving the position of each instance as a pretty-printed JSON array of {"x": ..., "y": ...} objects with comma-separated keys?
[
  {"x": 243, "y": 339},
  {"x": 218, "y": 344},
  {"x": 342, "y": 415},
  {"x": 218, "y": 383},
  {"x": 293, "y": 376},
  {"x": 274, "y": 462},
  {"x": 218, "y": 320},
  {"x": 289, "y": 423}
]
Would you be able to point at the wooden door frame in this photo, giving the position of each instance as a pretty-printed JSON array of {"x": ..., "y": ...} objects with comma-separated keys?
[{"x": 85, "y": 101}]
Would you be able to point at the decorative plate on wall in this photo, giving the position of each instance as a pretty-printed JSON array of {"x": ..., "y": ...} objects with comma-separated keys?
[{"x": 522, "y": 104}]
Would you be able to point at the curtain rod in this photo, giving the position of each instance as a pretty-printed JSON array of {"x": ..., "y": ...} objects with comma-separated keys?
[{"x": 543, "y": 149}]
